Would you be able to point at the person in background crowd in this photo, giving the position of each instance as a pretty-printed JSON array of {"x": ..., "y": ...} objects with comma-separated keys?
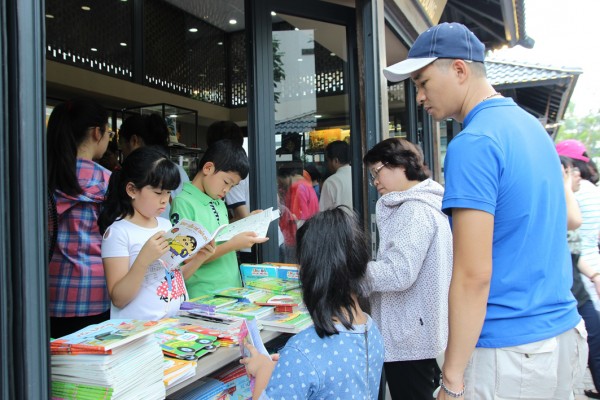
[
  {"x": 341, "y": 356},
  {"x": 588, "y": 198},
  {"x": 110, "y": 159},
  {"x": 512, "y": 273},
  {"x": 585, "y": 306},
  {"x": 149, "y": 130},
  {"x": 78, "y": 134},
  {"x": 409, "y": 278},
  {"x": 140, "y": 286},
  {"x": 299, "y": 203},
  {"x": 337, "y": 189},
  {"x": 314, "y": 176}
]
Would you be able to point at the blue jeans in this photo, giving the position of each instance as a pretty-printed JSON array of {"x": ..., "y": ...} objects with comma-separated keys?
[{"x": 592, "y": 325}]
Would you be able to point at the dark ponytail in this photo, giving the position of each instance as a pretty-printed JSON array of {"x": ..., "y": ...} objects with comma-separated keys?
[
  {"x": 145, "y": 166},
  {"x": 67, "y": 129}
]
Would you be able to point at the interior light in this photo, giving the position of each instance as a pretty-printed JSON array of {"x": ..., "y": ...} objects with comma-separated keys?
[
  {"x": 232, "y": 21},
  {"x": 318, "y": 116},
  {"x": 123, "y": 44},
  {"x": 273, "y": 13},
  {"x": 296, "y": 29},
  {"x": 332, "y": 54},
  {"x": 220, "y": 43},
  {"x": 193, "y": 30},
  {"x": 173, "y": 116},
  {"x": 299, "y": 59},
  {"x": 85, "y": 8},
  {"x": 50, "y": 16},
  {"x": 94, "y": 49}
]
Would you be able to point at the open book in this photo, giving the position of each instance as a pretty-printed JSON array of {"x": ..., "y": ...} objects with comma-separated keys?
[
  {"x": 249, "y": 333},
  {"x": 258, "y": 223},
  {"x": 186, "y": 239}
]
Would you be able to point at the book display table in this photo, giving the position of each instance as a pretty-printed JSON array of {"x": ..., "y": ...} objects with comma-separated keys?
[{"x": 220, "y": 358}]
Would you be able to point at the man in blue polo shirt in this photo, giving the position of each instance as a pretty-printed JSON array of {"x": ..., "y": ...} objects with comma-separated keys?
[{"x": 514, "y": 328}]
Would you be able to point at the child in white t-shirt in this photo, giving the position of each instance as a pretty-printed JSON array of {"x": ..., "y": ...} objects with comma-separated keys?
[{"x": 140, "y": 287}]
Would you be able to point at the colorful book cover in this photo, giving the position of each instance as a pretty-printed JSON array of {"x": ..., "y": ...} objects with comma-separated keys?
[
  {"x": 249, "y": 334},
  {"x": 183, "y": 344},
  {"x": 275, "y": 285},
  {"x": 245, "y": 294},
  {"x": 104, "y": 337},
  {"x": 185, "y": 239}
]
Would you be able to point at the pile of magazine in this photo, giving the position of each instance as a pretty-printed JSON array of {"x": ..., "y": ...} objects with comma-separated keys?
[{"x": 116, "y": 359}]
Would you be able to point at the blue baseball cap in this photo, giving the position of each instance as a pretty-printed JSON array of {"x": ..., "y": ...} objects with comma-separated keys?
[{"x": 446, "y": 40}]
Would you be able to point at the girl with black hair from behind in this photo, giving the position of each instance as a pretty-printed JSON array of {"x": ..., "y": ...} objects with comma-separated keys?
[
  {"x": 342, "y": 355},
  {"x": 140, "y": 287},
  {"x": 78, "y": 134},
  {"x": 149, "y": 130}
]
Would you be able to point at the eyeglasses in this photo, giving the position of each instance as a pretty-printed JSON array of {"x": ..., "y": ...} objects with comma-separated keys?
[{"x": 375, "y": 173}]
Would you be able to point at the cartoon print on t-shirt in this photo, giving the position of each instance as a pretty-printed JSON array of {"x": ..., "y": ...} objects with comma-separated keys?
[{"x": 177, "y": 290}]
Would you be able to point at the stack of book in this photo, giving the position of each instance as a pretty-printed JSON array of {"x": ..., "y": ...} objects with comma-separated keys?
[
  {"x": 237, "y": 381},
  {"x": 203, "y": 389},
  {"x": 176, "y": 370},
  {"x": 293, "y": 322},
  {"x": 116, "y": 359},
  {"x": 225, "y": 327},
  {"x": 248, "y": 310}
]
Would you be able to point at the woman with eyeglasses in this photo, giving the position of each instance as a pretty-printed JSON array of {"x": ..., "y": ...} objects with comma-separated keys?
[
  {"x": 410, "y": 277},
  {"x": 78, "y": 134}
]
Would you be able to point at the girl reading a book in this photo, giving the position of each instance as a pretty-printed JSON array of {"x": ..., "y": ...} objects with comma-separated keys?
[
  {"x": 139, "y": 284},
  {"x": 342, "y": 355}
]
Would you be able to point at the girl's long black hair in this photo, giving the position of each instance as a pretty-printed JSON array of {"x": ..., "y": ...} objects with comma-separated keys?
[
  {"x": 333, "y": 253},
  {"x": 68, "y": 126},
  {"x": 146, "y": 166}
]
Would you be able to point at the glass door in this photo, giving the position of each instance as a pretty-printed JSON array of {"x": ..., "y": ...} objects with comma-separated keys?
[{"x": 307, "y": 106}]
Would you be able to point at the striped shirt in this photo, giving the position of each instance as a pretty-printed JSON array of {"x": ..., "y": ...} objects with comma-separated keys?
[
  {"x": 588, "y": 198},
  {"x": 77, "y": 283}
]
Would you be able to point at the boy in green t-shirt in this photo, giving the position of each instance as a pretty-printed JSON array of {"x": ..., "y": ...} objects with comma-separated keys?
[{"x": 222, "y": 167}]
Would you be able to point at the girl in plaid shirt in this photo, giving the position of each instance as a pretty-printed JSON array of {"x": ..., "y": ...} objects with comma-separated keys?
[{"x": 78, "y": 133}]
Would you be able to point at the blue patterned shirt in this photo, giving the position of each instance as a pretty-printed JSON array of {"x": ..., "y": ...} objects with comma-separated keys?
[{"x": 333, "y": 367}]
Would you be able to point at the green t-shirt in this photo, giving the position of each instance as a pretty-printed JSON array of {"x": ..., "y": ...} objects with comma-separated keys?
[{"x": 197, "y": 206}]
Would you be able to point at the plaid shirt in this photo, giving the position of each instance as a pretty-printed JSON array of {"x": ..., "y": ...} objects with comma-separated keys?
[{"x": 77, "y": 283}]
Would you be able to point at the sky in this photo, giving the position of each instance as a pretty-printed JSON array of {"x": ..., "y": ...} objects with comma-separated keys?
[{"x": 566, "y": 34}]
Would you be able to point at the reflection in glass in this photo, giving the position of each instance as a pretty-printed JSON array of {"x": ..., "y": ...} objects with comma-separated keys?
[{"x": 311, "y": 110}]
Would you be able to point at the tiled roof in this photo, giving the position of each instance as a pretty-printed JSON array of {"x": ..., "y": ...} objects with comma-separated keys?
[
  {"x": 304, "y": 123},
  {"x": 502, "y": 72},
  {"x": 542, "y": 90}
]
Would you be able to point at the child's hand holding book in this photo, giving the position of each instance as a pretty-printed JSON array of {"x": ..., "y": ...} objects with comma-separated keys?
[
  {"x": 246, "y": 239},
  {"x": 153, "y": 249},
  {"x": 191, "y": 264}
]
